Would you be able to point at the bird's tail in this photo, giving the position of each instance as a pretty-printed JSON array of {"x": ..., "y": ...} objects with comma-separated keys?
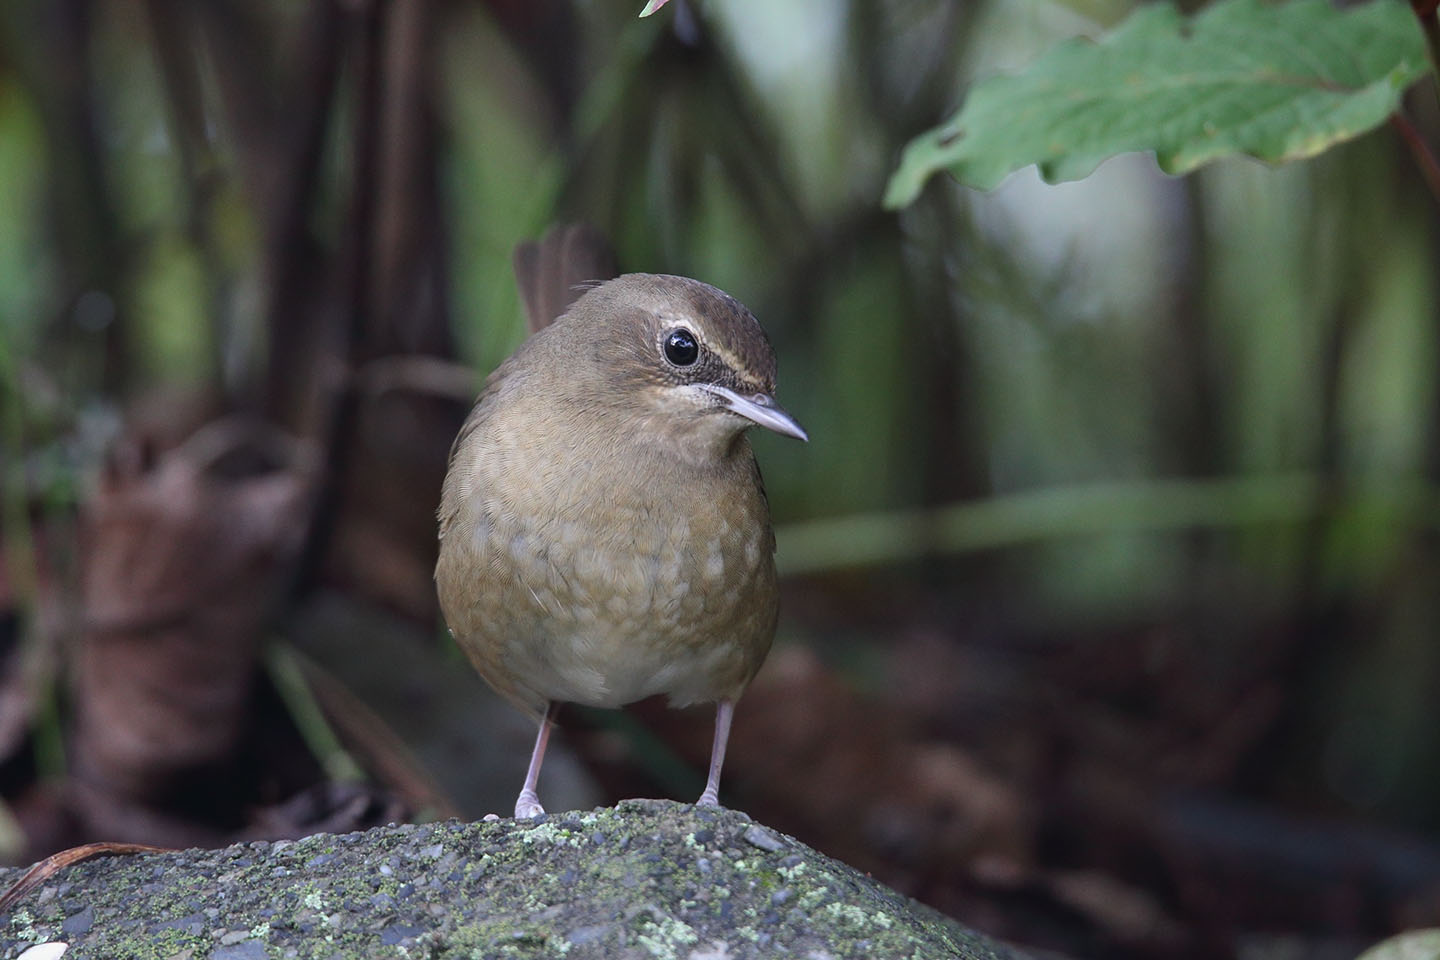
[{"x": 554, "y": 271}]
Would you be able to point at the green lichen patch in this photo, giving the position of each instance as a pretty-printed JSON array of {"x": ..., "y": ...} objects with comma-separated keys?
[{"x": 647, "y": 879}]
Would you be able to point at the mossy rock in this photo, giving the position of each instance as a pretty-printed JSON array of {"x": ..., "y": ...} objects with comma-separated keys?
[{"x": 647, "y": 879}]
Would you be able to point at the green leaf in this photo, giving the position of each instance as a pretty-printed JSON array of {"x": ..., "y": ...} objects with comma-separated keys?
[{"x": 1277, "y": 82}]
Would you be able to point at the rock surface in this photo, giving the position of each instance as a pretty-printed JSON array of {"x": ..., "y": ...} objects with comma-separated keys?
[{"x": 647, "y": 879}]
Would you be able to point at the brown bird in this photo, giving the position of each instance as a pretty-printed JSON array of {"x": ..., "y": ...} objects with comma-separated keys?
[{"x": 604, "y": 533}]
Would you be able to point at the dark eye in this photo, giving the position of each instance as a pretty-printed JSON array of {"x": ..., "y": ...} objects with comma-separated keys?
[{"x": 681, "y": 347}]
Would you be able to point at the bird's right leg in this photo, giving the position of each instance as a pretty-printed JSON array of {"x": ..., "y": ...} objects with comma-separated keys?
[{"x": 527, "y": 805}]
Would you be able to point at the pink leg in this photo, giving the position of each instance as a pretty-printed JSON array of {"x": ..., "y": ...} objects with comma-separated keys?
[
  {"x": 724, "y": 712},
  {"x": 528, "y": 803}
]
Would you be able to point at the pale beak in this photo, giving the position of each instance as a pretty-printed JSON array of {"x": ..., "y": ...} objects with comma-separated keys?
[{"x": 759, "y": 408}]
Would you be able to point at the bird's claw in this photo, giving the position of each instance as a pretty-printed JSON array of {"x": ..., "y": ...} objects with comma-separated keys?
[{"x": 527, "y": 807}]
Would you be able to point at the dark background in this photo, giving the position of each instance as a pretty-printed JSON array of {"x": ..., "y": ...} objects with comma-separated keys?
[{"x": 1112, "y": 582}]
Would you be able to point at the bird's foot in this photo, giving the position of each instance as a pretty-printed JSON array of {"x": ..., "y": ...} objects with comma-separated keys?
[
  {"x": 527, "y": 806},
  {"x": 710, "y": 798}
]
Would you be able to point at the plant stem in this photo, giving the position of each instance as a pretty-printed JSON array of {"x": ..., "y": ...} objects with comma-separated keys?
[
  {"x": 288, "y": 676},
  {"x": 1425, "y": 12},
  {"x": 1038, "y": 516},
  {"x": 1420, "y": 150}
]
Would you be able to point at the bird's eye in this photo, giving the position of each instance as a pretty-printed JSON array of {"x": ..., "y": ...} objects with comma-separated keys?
[{"x": 681, "y": 347}]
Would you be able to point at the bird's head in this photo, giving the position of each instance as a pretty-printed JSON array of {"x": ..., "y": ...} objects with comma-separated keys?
[{"x": 683, "y": 360}]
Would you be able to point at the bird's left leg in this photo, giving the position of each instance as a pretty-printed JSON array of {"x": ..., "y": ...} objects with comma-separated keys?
[
  {"x": 528, "y": 803},
  {"x": 724, "y": 712}
]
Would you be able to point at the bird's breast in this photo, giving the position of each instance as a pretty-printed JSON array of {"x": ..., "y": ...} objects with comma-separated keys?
[{"x": 600, "y": 583}]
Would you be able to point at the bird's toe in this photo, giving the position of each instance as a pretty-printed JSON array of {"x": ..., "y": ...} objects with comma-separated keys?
[{"x": 528, "y": 807}]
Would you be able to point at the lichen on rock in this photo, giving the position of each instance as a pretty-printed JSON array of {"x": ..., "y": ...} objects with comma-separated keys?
[{"x": 649, "y": 880}]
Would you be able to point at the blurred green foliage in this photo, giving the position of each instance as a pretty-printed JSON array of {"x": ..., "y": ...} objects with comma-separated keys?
[{"x": 972, "y": 369}]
